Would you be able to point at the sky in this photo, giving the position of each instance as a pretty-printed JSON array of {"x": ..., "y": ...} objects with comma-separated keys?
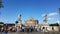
[{"x": 27, "y": 8}]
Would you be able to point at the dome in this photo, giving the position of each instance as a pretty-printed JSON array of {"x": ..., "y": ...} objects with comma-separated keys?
[{"x": 31, "y": 18}]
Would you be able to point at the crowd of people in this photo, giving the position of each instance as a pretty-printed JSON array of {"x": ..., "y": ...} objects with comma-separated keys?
[{"x": 18, "y": 29}]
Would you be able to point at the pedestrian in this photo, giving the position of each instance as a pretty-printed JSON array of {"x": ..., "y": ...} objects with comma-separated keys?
[
  {"x": 28, "y": 30},
  {"x": 5, "y": 32}
]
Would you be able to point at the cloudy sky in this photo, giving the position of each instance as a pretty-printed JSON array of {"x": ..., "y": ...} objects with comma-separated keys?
[{"x": 34, "y": 8}]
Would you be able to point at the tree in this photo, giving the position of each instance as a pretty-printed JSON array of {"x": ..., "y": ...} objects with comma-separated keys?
[
  {"x": 59, "y": 10},
  {"x": 56, "y": 24},
  {"x": 1, "y": 22},
  {"x": 1, "y": 4}
]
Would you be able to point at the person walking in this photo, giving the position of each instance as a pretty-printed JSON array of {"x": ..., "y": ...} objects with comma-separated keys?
[{"x": 5, "y": 31}]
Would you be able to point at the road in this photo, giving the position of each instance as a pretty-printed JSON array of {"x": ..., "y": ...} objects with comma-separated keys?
[
  {"x": 33, "y": 33},
  {"x": 26, "y": 33}
]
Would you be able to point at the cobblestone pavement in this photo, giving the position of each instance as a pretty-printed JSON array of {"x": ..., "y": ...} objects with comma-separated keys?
[{"x": 33, "y": 33}]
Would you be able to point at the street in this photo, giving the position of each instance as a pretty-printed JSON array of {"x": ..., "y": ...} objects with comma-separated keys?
[{"x": 33, "y": 33}]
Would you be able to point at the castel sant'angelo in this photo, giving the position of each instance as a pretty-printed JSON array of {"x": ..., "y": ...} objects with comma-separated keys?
[
  {"x": 35, "y": 23},
  {"x": 31, "y": 22}
]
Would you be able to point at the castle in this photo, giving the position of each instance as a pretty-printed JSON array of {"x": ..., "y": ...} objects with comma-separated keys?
[{"x": 31, "y": 22}]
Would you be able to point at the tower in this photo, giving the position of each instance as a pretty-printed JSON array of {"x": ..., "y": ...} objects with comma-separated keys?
[
  {"x": 45, "y": 19},
  {"x": 45, "y": 24},
  {"x": 19, "y": 21},
  {"x": 19, "y": 18}
]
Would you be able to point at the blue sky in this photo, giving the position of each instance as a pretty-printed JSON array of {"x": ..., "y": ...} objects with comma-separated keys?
[{"x": 34, "y": 8}]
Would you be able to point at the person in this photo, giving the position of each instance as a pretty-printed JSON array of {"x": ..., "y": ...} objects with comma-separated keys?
[
  {"x": 23, "y": 29},
  {"x": 2, "y": 29},
  {"x": 31, "y": 29},
  {"x": 27, "y": 29},
  {"x": 5, "y": 31}
]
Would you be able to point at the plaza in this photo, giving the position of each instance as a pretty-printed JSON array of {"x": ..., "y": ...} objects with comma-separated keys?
[{"x": 33, "y": 33}]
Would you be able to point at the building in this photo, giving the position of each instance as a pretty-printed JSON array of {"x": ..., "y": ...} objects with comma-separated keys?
[
  {"x": 1, "y": 25},
  {"x": 31, "y": 22}
]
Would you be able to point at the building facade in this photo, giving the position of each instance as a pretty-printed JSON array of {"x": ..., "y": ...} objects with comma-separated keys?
[{"x": 30, "y": 22}]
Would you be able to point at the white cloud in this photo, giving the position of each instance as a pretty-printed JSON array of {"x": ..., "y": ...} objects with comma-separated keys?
[
  {"x": 50, "y": 18},
  {"x": 53, "y": 14},
  {"x": 58, "y": 21},
  {"x": 43, "y": 15}
]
